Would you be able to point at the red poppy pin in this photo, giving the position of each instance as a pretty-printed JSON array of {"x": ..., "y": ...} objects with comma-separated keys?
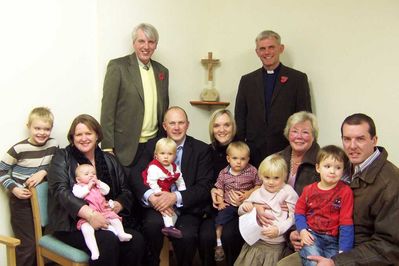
[
  {"x": 161, "y": 76},
  {"x": 283, "y": 79}
]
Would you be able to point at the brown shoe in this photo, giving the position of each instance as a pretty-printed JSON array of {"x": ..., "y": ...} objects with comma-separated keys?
[{"x": 219, "y": 253}]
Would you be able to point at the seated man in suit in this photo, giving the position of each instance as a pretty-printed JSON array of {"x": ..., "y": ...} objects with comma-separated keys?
[{"x": 194, "y": 158}]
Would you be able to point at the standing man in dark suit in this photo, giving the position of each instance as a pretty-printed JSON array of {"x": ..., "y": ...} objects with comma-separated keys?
[
  {"x": 135, "y": 98},
  {"x": 266, "y": 98},
  {"x": 194, "y": 158}
]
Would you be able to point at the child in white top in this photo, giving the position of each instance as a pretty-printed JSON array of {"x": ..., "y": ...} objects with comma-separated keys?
[
  {"x": 162, "y": 174},
  {"x": 92, "y": 190},
  {"x": 274, "y": 192}
]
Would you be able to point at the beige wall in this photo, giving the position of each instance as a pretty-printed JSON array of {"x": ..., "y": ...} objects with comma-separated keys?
[{"x": 54, "y": 53}]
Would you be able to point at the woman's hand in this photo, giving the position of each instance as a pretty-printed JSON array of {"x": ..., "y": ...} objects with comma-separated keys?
[
  {"x": 284, "y": 206},
  {"x": 295, "y": 239},
  {"x": 236, "y": 197},
  {"x": 217, "y": 198},
  {"x": 97, "y": 220},
  {"x": 222, "y": 206},
  {"x": 270, "y": 231},
  {"x": 263, "y": 218},
  {"x": 247, "y": 206}
]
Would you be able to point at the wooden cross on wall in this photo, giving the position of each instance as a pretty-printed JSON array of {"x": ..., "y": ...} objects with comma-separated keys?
[{"x": 210, "y": 63}]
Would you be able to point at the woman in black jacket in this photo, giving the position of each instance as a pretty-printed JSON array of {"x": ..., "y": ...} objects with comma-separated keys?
[
  {"x": 65, "y": 209},
  {"x": 222, "y": 130}
]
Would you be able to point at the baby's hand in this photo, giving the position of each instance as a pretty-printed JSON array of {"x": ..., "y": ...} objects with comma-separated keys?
[
  {"x": 247, "y": 206},
  {"x": 270, "y": 231},
  {"x": 91, "y": 184},
  {"x": 306, "y": 237}
]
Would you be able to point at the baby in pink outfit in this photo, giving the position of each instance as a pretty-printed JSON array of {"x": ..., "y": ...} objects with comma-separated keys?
[{"x": 92, "y": 190}]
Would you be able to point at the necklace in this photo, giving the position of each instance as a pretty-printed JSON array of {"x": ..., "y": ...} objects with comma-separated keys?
[{"x": 294, "y": 165}]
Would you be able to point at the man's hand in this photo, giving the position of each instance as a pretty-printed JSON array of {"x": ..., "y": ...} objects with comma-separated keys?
[
  {"x": 162, "y": 200},
  {"x": 295, "y": 239},
  {"x": 168, "y": 212},
  {"x": 321, "y": 261},
  {"x": 21, "y": 193},
  {"x": 263, "y": 218}
]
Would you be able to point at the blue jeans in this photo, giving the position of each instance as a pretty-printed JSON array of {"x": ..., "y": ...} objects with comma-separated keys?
[{"x": 324, "y": 245}]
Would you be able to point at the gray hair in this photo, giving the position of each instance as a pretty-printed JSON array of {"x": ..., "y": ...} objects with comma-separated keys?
[
  {"x": 267, "y": 34},
  {"x": 300, "y": 117},
  {"x": 149, "y": 31}
]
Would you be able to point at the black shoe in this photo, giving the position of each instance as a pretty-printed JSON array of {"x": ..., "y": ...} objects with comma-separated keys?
[{"x": 172, "y": 232}]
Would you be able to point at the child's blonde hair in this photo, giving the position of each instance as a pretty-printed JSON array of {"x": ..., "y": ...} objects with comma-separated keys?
[
  {"x": 165, "y": 143},
  {"x": 334, "y": 152},
  {"x": 237, "y": 145},
  {"x": 273, "y": 165},
  {"x": 42, "y": 113}
]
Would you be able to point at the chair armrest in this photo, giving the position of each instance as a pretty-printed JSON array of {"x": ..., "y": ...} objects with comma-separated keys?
[{"x": 9, "y": 241}]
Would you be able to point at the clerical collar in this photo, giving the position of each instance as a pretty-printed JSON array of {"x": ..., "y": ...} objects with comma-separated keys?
[{"x": 274, "y": 71}]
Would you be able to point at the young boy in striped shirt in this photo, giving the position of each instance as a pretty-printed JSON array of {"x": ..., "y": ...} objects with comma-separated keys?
[{"x": 24, "y": 166}]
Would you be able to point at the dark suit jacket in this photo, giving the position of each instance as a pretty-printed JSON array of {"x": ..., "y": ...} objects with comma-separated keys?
[
  {"x": 197, "y": 170},
  {"x": 122, "y": 110},
  {"x": 264, "y": 135}
]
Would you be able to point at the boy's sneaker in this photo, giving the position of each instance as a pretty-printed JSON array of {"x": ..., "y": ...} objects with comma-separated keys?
[
  {"x": 172, "y": 232},
  {"x": 219, "y": 253}
]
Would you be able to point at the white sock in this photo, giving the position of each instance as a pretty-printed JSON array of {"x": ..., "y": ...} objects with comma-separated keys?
[{"x": 218, "y": 242}]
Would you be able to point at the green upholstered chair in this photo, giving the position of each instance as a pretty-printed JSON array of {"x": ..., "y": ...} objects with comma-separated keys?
[{"x": 47, "y": 246}]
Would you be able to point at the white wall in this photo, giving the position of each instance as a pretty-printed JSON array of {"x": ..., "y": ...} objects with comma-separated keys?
[
  {"x": 348, "y": 49},
  {"x": 54, "y": 53},
  {"x": 48, "y": 54}
]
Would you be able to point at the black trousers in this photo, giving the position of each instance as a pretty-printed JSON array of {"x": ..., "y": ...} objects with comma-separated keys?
[
  {"x": 184, "y": 248},
  {"x": 22, "y": 225},
  {"x": 112, "y": 251},
  {"x": 231, "y": 240}
]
